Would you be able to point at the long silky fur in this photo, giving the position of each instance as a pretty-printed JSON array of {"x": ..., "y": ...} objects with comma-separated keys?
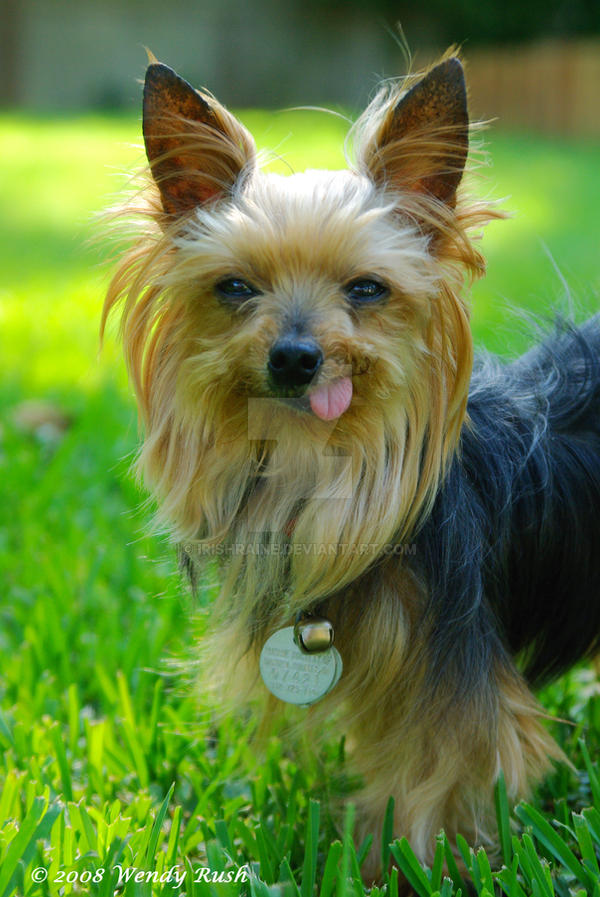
[{"x": 494, "y": 496}]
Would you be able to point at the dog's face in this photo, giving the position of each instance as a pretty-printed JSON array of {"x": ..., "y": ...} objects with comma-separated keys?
[
  {"x": 304, "y": 289},
  {"x": 273, "y": 324},
  {"x": 315, "y": 289}
]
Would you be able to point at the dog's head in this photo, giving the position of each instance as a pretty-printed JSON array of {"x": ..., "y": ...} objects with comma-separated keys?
[{"x": 299, "y": 346}]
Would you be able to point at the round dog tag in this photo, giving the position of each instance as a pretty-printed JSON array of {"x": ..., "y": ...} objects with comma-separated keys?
[{"x": 296, "y": 677}]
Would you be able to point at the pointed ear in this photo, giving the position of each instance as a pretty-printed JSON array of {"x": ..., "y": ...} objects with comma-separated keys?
[
  {"x": 196, "y": 149},
  {"x": 422, "y": 140}
]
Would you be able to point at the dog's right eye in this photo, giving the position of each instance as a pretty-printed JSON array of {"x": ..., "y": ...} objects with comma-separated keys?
[
  {"x": 365, "y": 290},
  {"x": 234, "y": 288}
]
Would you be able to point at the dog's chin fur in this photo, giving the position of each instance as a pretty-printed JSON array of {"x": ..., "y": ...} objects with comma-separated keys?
[{"x": 303, "y": 511}]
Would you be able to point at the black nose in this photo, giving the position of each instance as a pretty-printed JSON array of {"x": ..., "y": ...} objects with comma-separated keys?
[{"x": 294, "y": 361}]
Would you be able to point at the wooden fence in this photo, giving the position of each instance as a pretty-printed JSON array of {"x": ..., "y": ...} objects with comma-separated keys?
[{"x": 551, "y": 87}]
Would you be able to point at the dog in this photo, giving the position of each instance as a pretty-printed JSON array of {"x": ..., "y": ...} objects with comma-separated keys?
[{"x": 407, "y": 537}]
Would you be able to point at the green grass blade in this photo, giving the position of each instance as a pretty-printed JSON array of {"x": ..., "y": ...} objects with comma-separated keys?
[
  {"x": 82, "y": 822},
  {"x": 485, "y": 871},
  {"x": 544, "y": 832},
  {"x": 173, "y": 844},
  {"x": 10, "y": 793},
  {"x": 584, "y": 839},
  {"x": 539, "y": 873},
  {"x": 309, "y": 870},
  {"x": 468, "y": 857},
  {"x": 437, "y": 867},
  {"x": 592, "y": 772},
  {"x": 61, "y": 759},
  {"x": 364, "y": 850},
  {"x": 157, "y": 827},
  {"x": 355, "y": 871},
  {"x": 347, "y": 848},
  {"x": 521, "y": 860},
  {"x": 113, "y": 858},
  {"x": 287, "y": 876},
  {"x": 387, "y": 835},
  {"x": 137, "y": 752},
  {"x": 190, "y": 884},
  {"x": 592, "y": 818},
  {"x": 74, "y": 709},
  {"x": 410, "y": 867},
  {"x": 223, "y": 837},
  {"x": 5, "y": 731},
  {"x": 452, "y": 866},
  {"x": 330, "y": 872},
  {"x": 266, "y": 867},
  {"x": 503, "y": 818},
  {"x": 447, "y": 888},
  {"x": 153, "y": 728}
]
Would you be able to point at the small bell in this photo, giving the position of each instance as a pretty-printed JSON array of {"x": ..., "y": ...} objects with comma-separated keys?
[{"x": 313, "y": 635}]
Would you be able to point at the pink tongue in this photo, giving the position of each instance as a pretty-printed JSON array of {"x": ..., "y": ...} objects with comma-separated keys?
[{"x": 332, "y": 399}]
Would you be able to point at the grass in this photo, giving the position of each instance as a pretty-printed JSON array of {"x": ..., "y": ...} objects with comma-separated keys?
[{"x": 107, "y": 760}]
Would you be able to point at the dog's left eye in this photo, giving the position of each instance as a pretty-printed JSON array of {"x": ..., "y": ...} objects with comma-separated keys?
[
  {"x": 236, "y": 288},
  {"x": 365, "y": 290}
]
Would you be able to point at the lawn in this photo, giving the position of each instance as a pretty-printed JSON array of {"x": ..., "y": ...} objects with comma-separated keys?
[{"x": 110, "y": 760}]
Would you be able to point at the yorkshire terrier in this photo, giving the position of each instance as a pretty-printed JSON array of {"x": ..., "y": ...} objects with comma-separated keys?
[{"x": 406, "y": 539}]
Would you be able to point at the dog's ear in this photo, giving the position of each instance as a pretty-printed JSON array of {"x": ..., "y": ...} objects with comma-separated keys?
[
  {"x": 196, "y": 149},
  {"x": 421, "y": 141}
]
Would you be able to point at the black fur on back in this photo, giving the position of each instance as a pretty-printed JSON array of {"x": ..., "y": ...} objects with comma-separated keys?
[{"x": 511, "y": 551}]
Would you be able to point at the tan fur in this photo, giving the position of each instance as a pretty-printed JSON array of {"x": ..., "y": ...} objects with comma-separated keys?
[{"x": 299, "y": 509}]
